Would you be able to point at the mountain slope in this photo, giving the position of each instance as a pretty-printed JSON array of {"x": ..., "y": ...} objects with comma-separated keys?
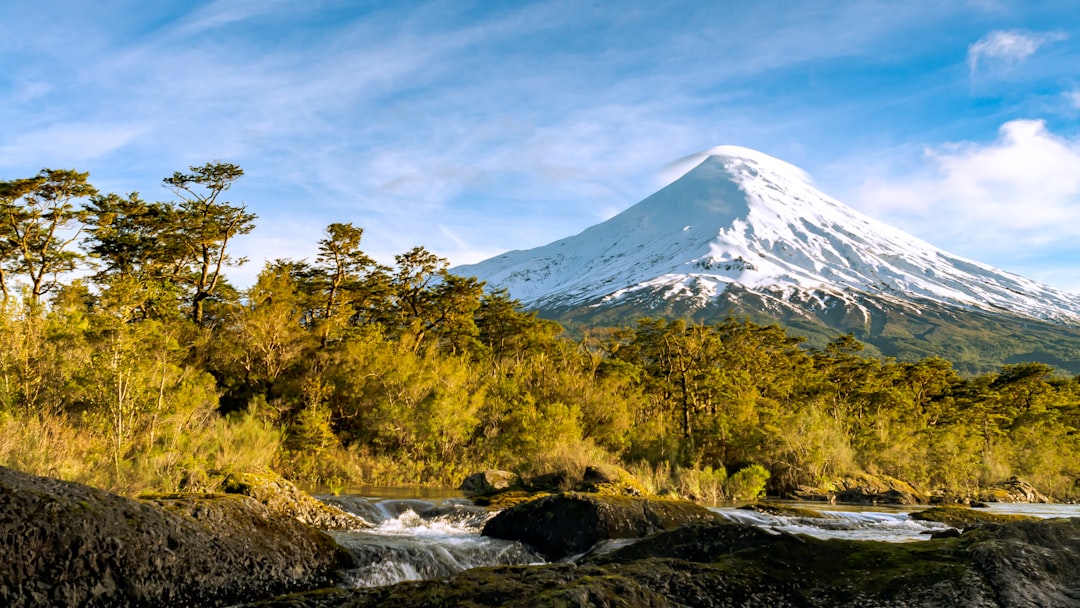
[{"x": 744, "y": 233}]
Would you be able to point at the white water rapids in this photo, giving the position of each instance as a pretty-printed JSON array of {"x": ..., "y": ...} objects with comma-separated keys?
[
  {"x": 417, "y": 539},
  {"x": 413, "y": 539}
]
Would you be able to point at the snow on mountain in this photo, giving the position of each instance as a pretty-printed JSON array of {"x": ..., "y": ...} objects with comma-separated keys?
[{"x": 741, "y": 217}]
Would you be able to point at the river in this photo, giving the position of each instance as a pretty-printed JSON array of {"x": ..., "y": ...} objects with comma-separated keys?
[{"x": 417, "y": 535}]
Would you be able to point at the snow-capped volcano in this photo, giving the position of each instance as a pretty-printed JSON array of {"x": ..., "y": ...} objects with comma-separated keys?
[{"x": 744, "y": 221}]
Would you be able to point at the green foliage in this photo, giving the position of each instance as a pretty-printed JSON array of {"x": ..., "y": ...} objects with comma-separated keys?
[
  {"x": 747, "y": 483},
  {"x": 155, "y": 374},
  {"x": 38, "y": 223}
]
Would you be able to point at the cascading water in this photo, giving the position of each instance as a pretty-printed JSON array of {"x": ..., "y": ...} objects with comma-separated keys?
[
  {"x": 853, "y": 525},
  {"x": 410, "y": 539},
  {"x": 416, "y": 539}
]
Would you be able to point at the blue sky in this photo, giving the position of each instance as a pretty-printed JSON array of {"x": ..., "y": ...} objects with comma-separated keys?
[{"x": 472, "y": 128}]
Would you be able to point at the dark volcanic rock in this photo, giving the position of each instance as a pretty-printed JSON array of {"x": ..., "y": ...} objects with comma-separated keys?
[
  {"x": 562, "y": 525},
  {"x": 488, "y": 482},
  {"x": 65, "y": 544},
  {"x": 878, "y": 489},
  {"x": 722, "y": 564},
  {"x": 610, "y": 480},
  {"x": 963, "y": 517},
  {"x": 864, "y": 490}
]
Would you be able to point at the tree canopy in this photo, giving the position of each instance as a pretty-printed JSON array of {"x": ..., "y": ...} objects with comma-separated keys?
[{"x": 344, "y": 369}]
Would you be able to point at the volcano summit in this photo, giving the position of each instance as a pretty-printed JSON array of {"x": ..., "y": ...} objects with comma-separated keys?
[{"x": 743, "y": 233}]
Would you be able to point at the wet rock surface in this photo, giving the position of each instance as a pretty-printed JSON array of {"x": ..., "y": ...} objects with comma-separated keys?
[
  {"x": 65, "y": 544},
  {"x": 722, "y": 564},
  {"x": 282, "y": 498},
  {"x": 963, "y": 517},
  {"x": 562, "y": 525}
]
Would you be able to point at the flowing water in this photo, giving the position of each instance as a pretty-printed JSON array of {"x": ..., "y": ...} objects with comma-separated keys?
[
  {"x": 436, "y": 536},
  {"x": 415, "y": 539}
]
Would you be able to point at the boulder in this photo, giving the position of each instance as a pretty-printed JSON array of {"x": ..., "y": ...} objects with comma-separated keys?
[
  {"x": 1014, "y": 489},
  {"x": 610, "y": 480},
  {"x": 283, "y": 498},
  {"x": 878, "y": 490},
  {"x": 562, "y": 525},
  {"x": 863, "y": 490},
  {"x": 488, "y": 482},
  {"x": 65, "y": 544}
]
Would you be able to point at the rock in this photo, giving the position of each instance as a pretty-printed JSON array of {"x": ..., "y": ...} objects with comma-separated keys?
[
  {"x": 284, "y": 499},
  {"x": 945, "y": 498},
  {"x": 488, "y": 482},
  {"x": 878, "y": 489},
  {"x": 610, "y": 480},
  {"x": 1014, "y": 490},
  {"x": 703, "y": 541},
  {"x": 65, "y": 544},
  {"x": 721, "y": 564},
  {"x": 809, "y": 494},
  {"x": 963, "y": 517},
  {"x": 863, "y": 490},
  {"x": 771, "y": 508},
  {"x": 554, "y": 481},
  {"x": 562, "y": 525},
  {"x": 507, "y": 499}
]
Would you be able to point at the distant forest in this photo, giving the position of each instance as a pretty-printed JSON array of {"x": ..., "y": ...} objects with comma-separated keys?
[{"x": 152, "y": 372}]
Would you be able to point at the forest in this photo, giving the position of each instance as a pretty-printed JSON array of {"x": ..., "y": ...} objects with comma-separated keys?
[{"x": 129, "y": 362}]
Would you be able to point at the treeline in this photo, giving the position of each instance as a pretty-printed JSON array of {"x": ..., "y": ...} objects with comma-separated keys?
[{"x": 153, "y": 372}]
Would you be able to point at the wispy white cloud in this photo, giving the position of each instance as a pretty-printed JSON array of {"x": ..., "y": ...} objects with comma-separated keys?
[
  {"x": 472, "y": 128},
  {"x": 221, "y": 13},
  {"x": 65, "y": 143},
  {"x": 1006, "y": 49},
  {"x": 1001, "y": 202}
]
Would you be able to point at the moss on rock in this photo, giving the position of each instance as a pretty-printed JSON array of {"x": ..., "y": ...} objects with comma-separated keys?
[
  {"x": 779, "y": 510},
  {"x": 964, "y": 517},
  {"x": 570, "y": 523},
  {"x": 284, "y": 499},
  {"x": 721, "y": 564}
]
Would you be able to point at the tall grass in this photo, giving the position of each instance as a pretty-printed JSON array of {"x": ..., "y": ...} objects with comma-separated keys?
[{"x": 180, "y": 457}]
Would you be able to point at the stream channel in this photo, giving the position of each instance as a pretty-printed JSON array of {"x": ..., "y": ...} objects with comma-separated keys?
[{"x": 415, "y": 536}]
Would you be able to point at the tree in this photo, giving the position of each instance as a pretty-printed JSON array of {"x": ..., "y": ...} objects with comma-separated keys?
[
  {"x": 426, "y": 299},
  {"x": 127, "y": 235},
  {"x": 203, "y": 226},
  {"x": 344, "y": 263},
  {"x": 347, "y": 278},
  {"x": 266, "y": 335},
  {"x": 39, "y": 222},
  {"x": 135, "y": 251}
]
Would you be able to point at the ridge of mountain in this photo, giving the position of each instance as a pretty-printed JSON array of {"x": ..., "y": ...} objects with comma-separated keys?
[{"x": 745, "y": 233}]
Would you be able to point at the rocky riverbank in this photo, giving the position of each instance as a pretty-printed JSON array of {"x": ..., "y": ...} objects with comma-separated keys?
[
  {"x": 65, "y": 544},
  {"x": 716, "y": 564}
]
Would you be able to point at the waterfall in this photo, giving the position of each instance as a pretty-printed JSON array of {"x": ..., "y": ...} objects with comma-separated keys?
[{"x": 416, "y": 540}]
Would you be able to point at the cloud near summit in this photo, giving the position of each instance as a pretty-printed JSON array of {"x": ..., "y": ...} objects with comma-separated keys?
[{"x": 1025, "y": 184}]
